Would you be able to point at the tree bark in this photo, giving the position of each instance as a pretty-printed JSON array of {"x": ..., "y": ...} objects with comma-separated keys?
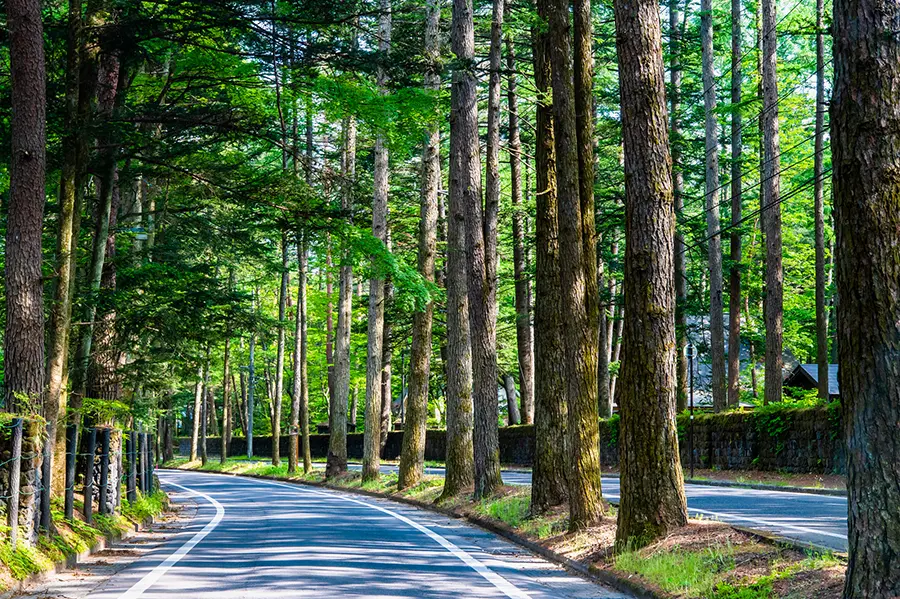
[
  {"x": 412, "y": 456},
  {"x": 337, "y": 414},
  {"x": 226, "y": 397},
  {"x": 279, "y": 356},
  {"x": 300, "y": 396},
  {"x": 480, "y": 234},
  {"x": 372, "y": 431},
  {"x": 24, "y": 336},
  {"x": 386, "y": 359},
  {"x": 677, "y": 21},
  {"x": 524, "y": 335},
  {"x": 66, "y": 243},
  {"x": 652, "y": 488},
  {"x": 734, "y": 292},
  {"x": 196, "y": 415},
  {"x": 714, "y": 238},
  {"x": 204, "y": 408},
  {"x": 110, "y": 93},
  {"x": 865, "y": 127},
  {"x": 819, "y": 193},
  {"x": 579, "y": 342},
  {"x": 771, "y": 206},
  {"x": 549, "y": 486},
  {"x": 512, "y": 406}
]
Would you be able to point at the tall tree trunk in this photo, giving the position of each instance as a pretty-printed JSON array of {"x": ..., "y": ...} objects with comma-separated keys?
[
  {"x": 460, "y": 377},
  {"x": 714, "y": 247},
  {"x": 524, "y": 337},
  {"x": 337, "y": 414},
  {"x": 512, "y": 406},
  {"x": 412, "y": 455},
  {"x": 480, "y": 229},
  {"x": 386, "y": 359},
  {"x": 585, "y": 500},
  {"x": 734, "y": 292},
  {"x": 278, "y": 395},
  {"x": 66, "y": 244},
  {"x": 677, "y": 21},
  {"x": 549, "y": 486},
  {"x": 329, "y": 318},
  {"x": 24, "y": 336},
  {"x": 354, "y": 393},
  {"x": 583, "y": 434},
  {"x": 204, "y": 408},
  {"x": 652, "y": 488},
  {"x": 819, "y": 187},
  {"x": 110, "y": 92},
  {"x": 196, "y": 416},
  {"x": 771, "y": 205},
  {"x": 226, "y": 396},
  {"x": 372, "y": 431},
  {"x": 865, "y": 133},
  {"x": 300, "y": 396},
  {"x": 251, "y": 389}
]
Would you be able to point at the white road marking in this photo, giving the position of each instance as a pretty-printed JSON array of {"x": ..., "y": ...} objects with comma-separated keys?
[
  {"x": 811, "y": 531},
  {"x": 159, "y": 571},
  {"x": 506, "y": 587}
]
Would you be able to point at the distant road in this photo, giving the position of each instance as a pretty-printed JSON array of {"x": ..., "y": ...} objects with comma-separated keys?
[
  {"x": 270, "y": 540},
  {"x": 810, "y": 518}
]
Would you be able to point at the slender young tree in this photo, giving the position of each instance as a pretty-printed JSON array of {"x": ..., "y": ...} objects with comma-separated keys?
[
  {"x": 480, "y": 234},
  {"x": 819, "y": 193},
  {"x": 196, "y": 416},
  {"x": 300, "y": 395},
  {"x": 279, "y": 354},
  {"x": 865, "y": 133},
  {"x": 524, "y": 335},
  {"x": 677, "y": 19},
  {"x": 652, "y": 488},
  {"x": 60, "y": 325},
  {"x": 372, "y": 435},
  {"x": 714, "y": 247},
  {"x": 226, "y": 397},
  {"x": 734, "y": 272},
  {"x": 770, "y": 199},
  {"x": 412, "y": 456},
  {"x": 549, "y": 485}
]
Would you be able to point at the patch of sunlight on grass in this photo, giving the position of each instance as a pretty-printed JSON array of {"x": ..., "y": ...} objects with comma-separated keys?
[
  {"x": 512, "y": 509},
  {"x": 690, "y": 573}
]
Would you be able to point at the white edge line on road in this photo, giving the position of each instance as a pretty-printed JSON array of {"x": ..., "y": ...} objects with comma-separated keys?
[
  {"x": 506, "y": 587},
  {"x": 156, "y": 573},
  {"x": 770, "y": 523}
]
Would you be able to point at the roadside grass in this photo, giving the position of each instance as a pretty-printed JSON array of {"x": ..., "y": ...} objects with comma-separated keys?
[
  {"x": 70, "y": 536},
  {"x": 704, "y": 560}
]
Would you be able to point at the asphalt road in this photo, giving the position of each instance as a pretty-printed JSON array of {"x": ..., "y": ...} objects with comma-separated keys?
[
  {"x": 261, "y": 539},
  {"x": 816, "y": 519}
]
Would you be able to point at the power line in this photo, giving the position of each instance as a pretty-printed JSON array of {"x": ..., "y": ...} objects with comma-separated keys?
[
  {"x": 761, "y": 180},
  {"x": 803, "y": 186}
]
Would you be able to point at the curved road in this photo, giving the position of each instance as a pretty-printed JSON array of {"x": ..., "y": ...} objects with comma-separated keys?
[
  {"x": 262, "y": 539},
  {"x": 816, "y": 519}
]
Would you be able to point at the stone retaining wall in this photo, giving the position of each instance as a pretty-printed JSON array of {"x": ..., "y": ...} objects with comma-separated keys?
[{"x": 804, "y": 440}]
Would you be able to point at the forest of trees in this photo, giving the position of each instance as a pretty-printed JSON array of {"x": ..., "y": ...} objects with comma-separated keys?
[{"x": 226, "y": 218}]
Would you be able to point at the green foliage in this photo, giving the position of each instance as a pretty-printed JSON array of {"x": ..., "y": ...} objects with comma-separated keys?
[
  {"x": 24, "y": 560},
  {"x": 612, "y": 428}
]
